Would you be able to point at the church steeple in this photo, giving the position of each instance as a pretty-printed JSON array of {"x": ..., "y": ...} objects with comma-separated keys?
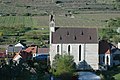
[{"x": 52, "y": 23}]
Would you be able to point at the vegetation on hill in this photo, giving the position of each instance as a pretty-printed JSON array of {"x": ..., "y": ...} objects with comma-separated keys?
[
  {"x": 21, "y": 28},
  {"x": 27, "y": 20},
  {"x": 111, "y": 32},
  {"x": 44, "y": 7}
]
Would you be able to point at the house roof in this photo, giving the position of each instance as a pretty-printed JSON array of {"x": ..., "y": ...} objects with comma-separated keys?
[
  {"x": 74, "y": 35},
  {"x": 31, "y": 49},
  {"x": 104, "y": 47},
  {"x": 43, "y": 50},
  {"x": 16, "y": 57},
  {"x": 14, "y": 49},
  {"x": 19, "y": 45}
]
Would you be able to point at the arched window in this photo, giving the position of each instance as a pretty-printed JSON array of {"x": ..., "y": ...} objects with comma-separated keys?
[
  {"x": 107, "y": 60},
  {"x": 79, "y": 52},
  {"x": 69, "y": 49},
  {"x": 57, "y": 48}
]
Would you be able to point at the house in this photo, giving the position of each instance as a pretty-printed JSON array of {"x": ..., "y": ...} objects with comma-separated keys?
[
  {"x": 32, "y": 50},
  {"x": 81, "y": 43},
  {"x": 43, "y": 54},
  {"x": 119, "y": 45},
  {"x": 11, "y": 49},
  {"x": 116, "y": 56},
  {"x": 2, "y": 57},
  {"x": 17, "y": 57},
  {"x": 109, "y": 55},
  {"x": 26, "y": 54},
  {"x": 105, "y": 56}
]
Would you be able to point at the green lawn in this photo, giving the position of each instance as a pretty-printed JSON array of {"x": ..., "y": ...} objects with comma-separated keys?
[{"x": 117, "y": 76}]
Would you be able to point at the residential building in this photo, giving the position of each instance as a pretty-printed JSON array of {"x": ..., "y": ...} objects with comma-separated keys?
[
  {"x": 105, "y": 56},
  {"x": 119, "y": 45},
  {"x": 29, "y": 53},
  {"x": 2, "y": 57},
  {"x": 81, "y": 43},
  {"x": 109, "y": 55},
  {"x": 14, "y": 49},
  {"x": 43, "y": 54}
]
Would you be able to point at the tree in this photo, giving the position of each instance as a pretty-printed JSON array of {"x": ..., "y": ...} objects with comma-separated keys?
[
  {"x": 63, "y": 66},
  {"x": 117, "y": 5},
  {"x": 113, "y": 23},
  {"x": 116, "y": 38}
]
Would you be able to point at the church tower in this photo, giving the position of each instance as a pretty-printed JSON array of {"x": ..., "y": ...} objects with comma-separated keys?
[
  {"x": 51, "y": 26},
  {"x": 52, "y": 23}
]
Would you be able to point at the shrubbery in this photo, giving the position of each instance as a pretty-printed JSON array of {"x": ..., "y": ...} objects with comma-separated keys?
[{"x": 63, "y": 66}]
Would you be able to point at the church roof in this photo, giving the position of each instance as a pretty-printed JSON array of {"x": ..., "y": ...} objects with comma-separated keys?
[{"x": 74, "y": 35}]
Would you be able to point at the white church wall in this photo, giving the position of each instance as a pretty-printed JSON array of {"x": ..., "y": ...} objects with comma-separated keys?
[
  {"x": 63, "y": 49},
  {"x": 91, "y": 52}
]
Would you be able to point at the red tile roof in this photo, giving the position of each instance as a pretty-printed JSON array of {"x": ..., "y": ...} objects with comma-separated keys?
[
  {"x": 31, "y": 50},
  {"x": 2, "y": 54}
]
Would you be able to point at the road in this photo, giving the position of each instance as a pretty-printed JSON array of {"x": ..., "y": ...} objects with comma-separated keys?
[{"x": 88, "y": 76}]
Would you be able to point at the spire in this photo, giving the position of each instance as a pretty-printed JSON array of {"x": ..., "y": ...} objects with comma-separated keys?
[
  {"x": 51, "y": 18},
  {"x": 52, "y": 23}
]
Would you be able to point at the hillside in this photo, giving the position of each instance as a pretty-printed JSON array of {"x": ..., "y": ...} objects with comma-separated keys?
[
  {"x": 28, "y": 20},
  {"x": 44, "y": 7}
]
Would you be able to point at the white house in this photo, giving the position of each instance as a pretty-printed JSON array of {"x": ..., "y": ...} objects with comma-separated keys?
[
  {"x": 105, "y": 55},
  {"x": 109, "y": 55},
  {"x": 81, "y": 43},
  {"x": 119, "y": 45}
]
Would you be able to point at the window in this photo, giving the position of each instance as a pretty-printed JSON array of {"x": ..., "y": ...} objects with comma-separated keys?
[
  {"x": 57, "y": 48},
  {"x": 75, "y": 38},
  {"x": 79, "y": 52},
  {"x": 69, "y": 49},
  {"x": 60, "y": 38},
  {"x": 67, "y": 33},
  {"x": 82, "y": 33},
  {"x": 107, "y": 60},
  {"x": 90, "y": 37}
]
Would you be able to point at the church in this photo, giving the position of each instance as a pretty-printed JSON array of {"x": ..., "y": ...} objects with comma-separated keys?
[{"x": 81, "y": 43}]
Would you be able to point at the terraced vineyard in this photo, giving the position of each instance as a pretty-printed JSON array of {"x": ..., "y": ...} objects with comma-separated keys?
[
  {"x": 17, "y": 20},
  {"x": 42, "y": 7},
  {"x": 80, "y": 20},
  {"x": 24, "y": 19}
]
